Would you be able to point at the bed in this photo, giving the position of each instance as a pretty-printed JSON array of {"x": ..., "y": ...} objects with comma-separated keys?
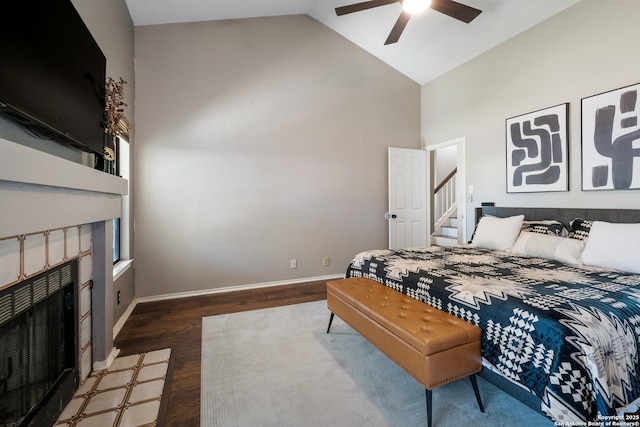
[{"x": 559, "y": 335}]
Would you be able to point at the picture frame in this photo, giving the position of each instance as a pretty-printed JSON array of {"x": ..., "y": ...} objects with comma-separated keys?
[
  {"x": 611, "y": 140},
  {"x": 537, "y": 151}
]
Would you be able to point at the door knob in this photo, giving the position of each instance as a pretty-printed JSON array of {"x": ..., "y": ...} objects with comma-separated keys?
[{"x": 394, "y": 216}]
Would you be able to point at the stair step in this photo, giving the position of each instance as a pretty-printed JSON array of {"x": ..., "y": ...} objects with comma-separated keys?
[
  {"x": 440, "y": 240},
  {"x": 449, "y": 231}
]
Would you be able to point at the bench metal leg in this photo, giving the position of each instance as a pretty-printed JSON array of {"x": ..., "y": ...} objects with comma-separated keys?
[
  {"x": 474, "y": 383},
  {"x": 429, "y": 406},
  {"x": 330, "y": 320},
  {"x": 429, "y": 397}
]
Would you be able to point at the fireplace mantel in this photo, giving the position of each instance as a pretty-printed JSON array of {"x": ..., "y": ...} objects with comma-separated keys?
[{"x": 39, "y": 191}]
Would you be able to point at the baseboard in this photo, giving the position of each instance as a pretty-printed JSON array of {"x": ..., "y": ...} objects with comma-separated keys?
[
  {"x": 232, "y": 289},
  {"x": 125, "y": 316},
  {"x": 101, "y": 365}
]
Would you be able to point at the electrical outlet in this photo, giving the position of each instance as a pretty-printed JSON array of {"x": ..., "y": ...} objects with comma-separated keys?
[
  {"x": 118, "y": 298},
  {"x": 293, "y": 263},
  {"x": 325, "y": 261}
]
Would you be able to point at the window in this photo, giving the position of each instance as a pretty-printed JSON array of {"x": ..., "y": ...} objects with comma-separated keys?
[
  {"x": 116, "y": 240},
  {"x": 121, "y": 225}
]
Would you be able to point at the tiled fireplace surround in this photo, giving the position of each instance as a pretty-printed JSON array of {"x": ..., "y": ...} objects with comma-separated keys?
[
  {"x": 25, "y": 256},
  {"x": 54, "y": 210}
]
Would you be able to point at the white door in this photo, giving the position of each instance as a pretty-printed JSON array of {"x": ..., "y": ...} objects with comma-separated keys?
[{"x": 407, "y": 198}]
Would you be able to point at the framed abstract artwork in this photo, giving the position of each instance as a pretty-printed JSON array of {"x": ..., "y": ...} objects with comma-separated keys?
[
  {"x": 537, "y": 151},
  {"x": 611, "y": 140}
]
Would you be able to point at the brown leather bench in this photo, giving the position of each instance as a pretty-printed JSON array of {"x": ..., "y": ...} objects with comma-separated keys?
[{"x": 434, "y": 347}]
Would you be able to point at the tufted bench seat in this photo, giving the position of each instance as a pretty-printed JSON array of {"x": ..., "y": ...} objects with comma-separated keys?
[{"x": 434, "y": 347}]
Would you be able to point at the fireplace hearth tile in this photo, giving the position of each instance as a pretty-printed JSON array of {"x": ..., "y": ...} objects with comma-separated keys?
[
  {"x": 137, "y": 415},
  {"x": 147, "y": 391},
  {"x": 72, "y": 408},
  {"x": 152, "y": 372},
  {"x": 106, "y": 400},
  {"x": 116, "y": 379},
  {"x": 87, "y": 386},
  {"x": 106, "y": 419},
  {"x": 128, "y": 393},
  {"x": 125, "y": 362},
  {"x": 157, "y": 356}
]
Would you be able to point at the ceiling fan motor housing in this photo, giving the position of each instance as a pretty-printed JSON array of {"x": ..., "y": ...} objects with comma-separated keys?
[{"x": 450, "y": 8}]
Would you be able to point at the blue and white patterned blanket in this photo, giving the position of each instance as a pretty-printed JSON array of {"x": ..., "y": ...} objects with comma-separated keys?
[{"x": 567, "y": 333}]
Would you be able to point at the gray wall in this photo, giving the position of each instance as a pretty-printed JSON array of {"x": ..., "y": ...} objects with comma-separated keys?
[
  {"x": 259, "y": 141},
  {"x": 111, "y": 25},
  {"x": 585, "y": 50}
]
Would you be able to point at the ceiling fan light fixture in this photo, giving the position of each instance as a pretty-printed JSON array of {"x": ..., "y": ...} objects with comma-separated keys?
[{"x": 415, "y": 6}]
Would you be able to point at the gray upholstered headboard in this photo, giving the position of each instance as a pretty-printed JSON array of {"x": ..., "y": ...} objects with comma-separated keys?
[{"x": 564, "y": 215}]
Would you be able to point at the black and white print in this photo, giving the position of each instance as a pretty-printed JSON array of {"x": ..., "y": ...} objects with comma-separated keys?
[
  {"x": 611, "y": 140},
  {"x": 537, "y": 157}
]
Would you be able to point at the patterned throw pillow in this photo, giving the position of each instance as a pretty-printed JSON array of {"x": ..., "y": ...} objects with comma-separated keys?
[
  {"x": 579, "y": 229},
  {"x": 550, "y": 226}
]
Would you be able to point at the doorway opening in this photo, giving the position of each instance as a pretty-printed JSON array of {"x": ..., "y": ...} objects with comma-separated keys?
[{"x": 446, "y": 192}]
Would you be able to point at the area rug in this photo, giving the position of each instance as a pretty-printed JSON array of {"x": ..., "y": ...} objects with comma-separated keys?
[{"x": 279, "y": 367}]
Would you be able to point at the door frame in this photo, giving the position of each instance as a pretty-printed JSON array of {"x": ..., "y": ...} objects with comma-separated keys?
[{"x": 461, "y": 187}]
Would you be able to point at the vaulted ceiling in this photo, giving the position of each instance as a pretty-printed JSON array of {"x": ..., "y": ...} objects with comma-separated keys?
[{"x": 431, "y": 44}]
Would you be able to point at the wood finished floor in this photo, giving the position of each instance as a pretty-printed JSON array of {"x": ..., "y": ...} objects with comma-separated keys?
[{"x": 177, "y": 324}]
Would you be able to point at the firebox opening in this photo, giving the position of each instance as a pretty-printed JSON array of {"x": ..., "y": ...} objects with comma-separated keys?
[{"x": 39, "y": 352}]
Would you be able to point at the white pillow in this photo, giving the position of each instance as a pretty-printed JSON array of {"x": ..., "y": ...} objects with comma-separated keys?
[
  {"x": 497, "y": 233},
  {"x": 549, "y": 247},
  {"x": 615, "y": 246}
]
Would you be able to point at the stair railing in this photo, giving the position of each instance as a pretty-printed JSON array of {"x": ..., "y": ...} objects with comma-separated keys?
[{"x": 444, "y": 199}]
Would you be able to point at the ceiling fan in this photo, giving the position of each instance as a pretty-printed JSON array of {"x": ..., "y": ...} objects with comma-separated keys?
[{"x": 451, "y": 8}]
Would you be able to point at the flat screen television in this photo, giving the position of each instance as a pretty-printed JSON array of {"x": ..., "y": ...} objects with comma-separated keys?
[{"x": 52, "y": 73}]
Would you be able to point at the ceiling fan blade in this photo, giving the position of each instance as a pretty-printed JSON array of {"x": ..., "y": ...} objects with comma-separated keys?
[
  {"x": 357, "y": 7},
  {"x": 456, "y": 10},
  {"x": 397, "y": 29}
]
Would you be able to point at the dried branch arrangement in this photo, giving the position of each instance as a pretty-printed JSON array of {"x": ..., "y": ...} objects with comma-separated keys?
[{"x": 113, "y": 106}]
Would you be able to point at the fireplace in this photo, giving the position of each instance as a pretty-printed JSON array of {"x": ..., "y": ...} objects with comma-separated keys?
[
  {"x": 54, "y": 211},
  {"x": 39, "y": 361}
]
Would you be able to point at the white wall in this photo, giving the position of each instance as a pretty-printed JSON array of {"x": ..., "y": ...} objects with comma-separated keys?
[
  {"x": 585, "y": 50},
  {"x": 445, "y": 162},
  {"x": 259, "y": 141}
]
